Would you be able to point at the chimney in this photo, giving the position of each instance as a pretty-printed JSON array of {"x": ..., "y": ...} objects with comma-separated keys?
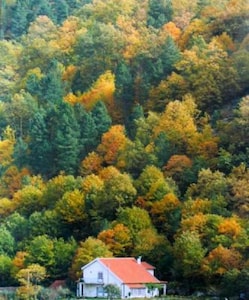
[{"x": 139, "y": 259}]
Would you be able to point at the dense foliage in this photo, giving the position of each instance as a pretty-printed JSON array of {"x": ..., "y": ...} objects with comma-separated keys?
[{"x": 124, "y": 132}]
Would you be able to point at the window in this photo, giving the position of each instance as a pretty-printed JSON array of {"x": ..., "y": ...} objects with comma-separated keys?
[
  {"x": 138, "y": 292},
  {"x": 100, "y": 276}
]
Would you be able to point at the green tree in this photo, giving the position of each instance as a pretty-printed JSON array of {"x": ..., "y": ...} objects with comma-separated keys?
[
  {"x": 19, "y": 20},
  {"x": 188, "y": 262},
  {"x": 135, "y": 218},
  {"x": 17, "y": 225},
  {"x": 41, "y": 251},
  {"x": 7, "y": 242},
  {"x": 137, "y": 112},
  {"x": 51, "y": 84},
  {"x": 209, "y": 185},
  {"x": 41, "y": 8},
  {"x": 89, "y": 49},
  {"x": 20, "y": 111},
  {"x": 163, "y": 149},
  {"x": 168, "y": 56},
  {"x": 65, "y": 141},
  {"x": 88, "y": 135},
  {"x": 40, "y": 149},
  {"x": 63, "y": 254},
  {"x": 113, "y": 291},
  {"x": 61, "y": 10},
  {"x": 134, "y": 158},
  {"x": 5, "y": 270},
  {"x": 3, "y": 5},
  {"x": 124, "y": 91},
  {"x": 101, "y": 119},
  {"x": 160, "y": 12},
  {"x": 47, "y": 222},
  {"x": 118, "y": 192}
]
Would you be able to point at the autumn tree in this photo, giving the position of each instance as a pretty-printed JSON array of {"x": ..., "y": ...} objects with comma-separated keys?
[
  {"x": 71, "y": 211},
  {"x": 92, "y": 163},
  {"x": 112, "y": 142},
  {"x": 117, "y": 239},
  {"x": 213, "y": 186},
  {"x": 165, "y": 214},
  {"x": 57, "y": 186},
  {"x": 135, "y": 157},
  {"x": 239, "y": 196},
  {"x": 118, "y": 192},
  {"x": 220, "y": 260},
  {"x": 152, "y": 184},
  {"x": 87, "y": 250},
  {"x": 130, "y": 216},
  {"x": 216, "y": 88},
  {"x": 38, "y": 44},
  {"x": 178, "y": 121},
  {"x": 29, "y": 279}
]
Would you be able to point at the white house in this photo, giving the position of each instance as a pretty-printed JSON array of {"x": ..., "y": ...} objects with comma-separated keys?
[{"x": 133, "y": 277}]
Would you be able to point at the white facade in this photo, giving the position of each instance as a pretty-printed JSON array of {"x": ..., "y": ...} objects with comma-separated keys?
[{"x": 97, "y": 275}]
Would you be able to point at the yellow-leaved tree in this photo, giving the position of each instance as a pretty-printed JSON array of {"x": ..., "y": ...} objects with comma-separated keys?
[{"x": 178, "y": 122}]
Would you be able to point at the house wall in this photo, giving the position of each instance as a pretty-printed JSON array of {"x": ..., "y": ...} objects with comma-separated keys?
[
  {"x": 143, "y": 293},
  {"x": 95, "y": 277}
]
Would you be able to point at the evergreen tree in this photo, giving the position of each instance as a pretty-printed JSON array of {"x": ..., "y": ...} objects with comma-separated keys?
[
  {"x": 66, "y": 141},
  {"x": 40, "y": 148},
  {"x": 33, "y": 85},
  {"x": 61, "y": 10},
  {"x": 137, "y": 113},
  {"x": 52, "y": 87},
  {"x": 163, "y": 149},
  {"x": 124, "y": 85},
  {"x": 19, "y": 22},
  {"x": 101, "y": 119},
  {"x": 39, "y": 8},
  {"x": 20, "y": 153},
  {"x": 164, "y": 64},
  {"x": 88, "y": 132},
  {"x": 160, "y": 12}
]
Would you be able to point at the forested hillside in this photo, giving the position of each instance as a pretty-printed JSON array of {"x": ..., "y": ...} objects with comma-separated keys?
[{"x": 124, "y": 130}]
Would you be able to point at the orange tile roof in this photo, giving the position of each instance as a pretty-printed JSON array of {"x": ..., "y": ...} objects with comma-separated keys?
[{"x": 129, "y": 270}]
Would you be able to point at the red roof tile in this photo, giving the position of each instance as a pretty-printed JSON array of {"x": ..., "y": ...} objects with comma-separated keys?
[
  {"x": 129, "y": 270},
  {"x": 58, "y": 283}
]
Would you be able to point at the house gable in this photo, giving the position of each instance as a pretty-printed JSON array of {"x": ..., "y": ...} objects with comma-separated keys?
[{"x": 98, "y": 273}]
